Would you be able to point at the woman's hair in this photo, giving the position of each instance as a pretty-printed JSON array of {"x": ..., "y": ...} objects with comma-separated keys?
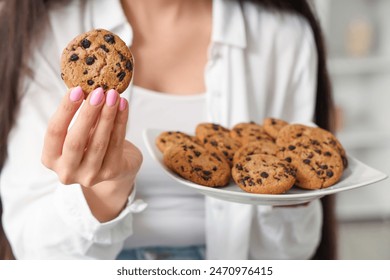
[{"x": 19, "y": 20}]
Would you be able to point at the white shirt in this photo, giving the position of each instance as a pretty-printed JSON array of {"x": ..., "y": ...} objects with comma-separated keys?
[
  {"x": 260, "y": 64},
  {"x": 175, "y": 215}
]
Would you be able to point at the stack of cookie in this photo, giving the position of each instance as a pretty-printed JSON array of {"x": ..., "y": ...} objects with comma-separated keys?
[{"x": 267, "y": 159}]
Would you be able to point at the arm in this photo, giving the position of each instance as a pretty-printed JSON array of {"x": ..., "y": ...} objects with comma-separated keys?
[{"x": 43, "y": 218}]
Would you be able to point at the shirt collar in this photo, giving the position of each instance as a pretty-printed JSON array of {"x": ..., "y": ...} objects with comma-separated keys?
[{"x": 228, "y": 21}]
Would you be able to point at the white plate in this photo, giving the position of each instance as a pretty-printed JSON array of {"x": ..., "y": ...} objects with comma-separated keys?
[{"x": 356, "y": 175}]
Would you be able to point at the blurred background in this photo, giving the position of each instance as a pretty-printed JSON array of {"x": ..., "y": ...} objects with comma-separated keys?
[{"x": 358, "y": 40}]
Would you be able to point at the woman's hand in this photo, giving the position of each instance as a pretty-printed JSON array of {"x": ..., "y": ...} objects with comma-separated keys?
[{"x": 93, "y": 152}]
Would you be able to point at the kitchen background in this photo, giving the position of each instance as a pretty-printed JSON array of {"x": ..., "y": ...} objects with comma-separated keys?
[{"x": 358, "y": 41}]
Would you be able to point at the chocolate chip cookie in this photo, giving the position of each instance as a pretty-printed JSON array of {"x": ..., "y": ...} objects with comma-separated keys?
[
  {"x": 318, "y": 166},
  {"x": 204, "y": 130},
  {"x": 223, "y": 144},
  {"x": 310, "y": 135},
  {"x": 196, "y": 164},
  {"x": 272, "y": 126},
  {"x": 253, "y": 148},
  {"x": 97, "y": 58},
  {"x": 168, "y": 138},
  {"x": 264, "y": 174},
  {"x": 249, "y": 132}
]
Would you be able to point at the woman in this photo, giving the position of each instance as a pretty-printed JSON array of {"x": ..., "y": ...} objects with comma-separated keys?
[{"x": 264, "y": 58}]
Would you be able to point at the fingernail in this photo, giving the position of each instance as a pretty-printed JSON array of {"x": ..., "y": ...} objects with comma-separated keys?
[
  {"x": 97, "y": 96},
  {"x": 122, "y": 104},
  {"x": 111, "y": 97},
  {"x": 76, "y": 94}
]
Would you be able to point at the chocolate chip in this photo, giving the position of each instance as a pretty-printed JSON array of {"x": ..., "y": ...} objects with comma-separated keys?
[
  {"x": 215, "y": 127},
  {"x": 299, "y": 135},
  {"x": 121, "y": 76},
  {"x": 74, "y": 57},
  {"x": 259, "y": 181},
  {"x": 345, "y": 161},
  {"x": 264, "y": 174},
  {"x": 273, "y": 122},
  {"x": 90, "y": 82},
  {"x": 329, "y": 173},
  {"x": 239, "y": 166},
  {"x": 248, "y": 158},
  {"x": 197, "y": 168},
  {"x": 197, "y": 153},
  {"x": 291, "y": 147},
  {"x": 104, "y": 48},
  {"x": 215, "y": 168},
  {"x": 327, "y": 154},
  {"x": 85, "y": 72},
  {"x": 306, "y": 161},
  {"x": 109, "y": 39},
  {"x": 207, "y": 173},
  {"x": 90, "y": 60},
  {"x": 214, "y": 143},
  {"x": 324, "y": 166},
  {"x": 315, "y": 142},
  {"x": 205, "y": 178},
  {"x": 216, "y": 156},
  {"x": 129, "y": 65},
  {"x": 121, "y": 56},
  {"x": 288, "y": 159},
  {"x": 85, "y": 43}
]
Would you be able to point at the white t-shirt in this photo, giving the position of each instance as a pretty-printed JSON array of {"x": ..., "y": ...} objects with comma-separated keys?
[{"x": 175, "y": 215}]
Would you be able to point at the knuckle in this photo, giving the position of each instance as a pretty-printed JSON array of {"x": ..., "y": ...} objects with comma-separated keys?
[
  {"x": 68, "y": 107},
  {"x": 89, "y": 180},
  {"x": 99, "y": 146},
  {"x": 74, "y": 145},
  {"x": 108, "y": 116},
  {"x": 109, "y": 173},
  {"x": 54, "y": 130},
  {"x": 46, "y": 161},
  {"x": 65, "y": 177}
]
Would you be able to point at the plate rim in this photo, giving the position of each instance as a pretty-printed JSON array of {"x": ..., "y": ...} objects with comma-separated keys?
[{"x": 286, "y": 197}]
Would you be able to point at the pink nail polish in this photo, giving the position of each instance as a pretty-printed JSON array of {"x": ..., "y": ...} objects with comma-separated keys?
[
  {"x": 76, "y": 94},
  {"x": 122, "y": 104},
  {"x": 111, "y": 97},
  {"x": 97, "y": 96}
]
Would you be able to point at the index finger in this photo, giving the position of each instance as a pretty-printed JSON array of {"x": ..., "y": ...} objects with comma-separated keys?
[{"x": 59, "y": 123}]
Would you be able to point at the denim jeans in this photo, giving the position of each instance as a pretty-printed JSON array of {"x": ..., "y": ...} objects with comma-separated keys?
[{"x": 164, "y": 253}]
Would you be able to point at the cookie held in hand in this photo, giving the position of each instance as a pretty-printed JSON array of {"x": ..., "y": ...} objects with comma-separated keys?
[{"x": 97, "y": 58}]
